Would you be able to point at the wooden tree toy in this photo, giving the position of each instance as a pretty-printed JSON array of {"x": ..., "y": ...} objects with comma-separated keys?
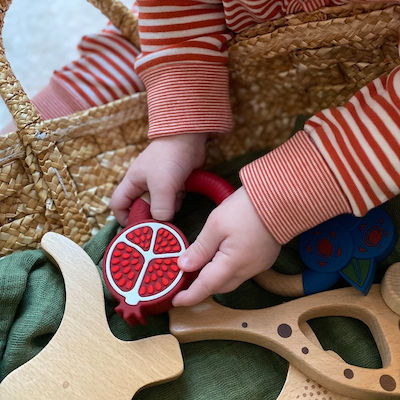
[
  {"x": 278, "y": 328},
  {"x": 84, "y": 360}
]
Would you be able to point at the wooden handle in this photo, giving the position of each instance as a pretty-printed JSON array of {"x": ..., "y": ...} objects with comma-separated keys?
[
  {"x": 84, "y": 360},
  {"x": 281, "y": 284},
  {"x": 278, "y": 329},
  {"x": 391, "y": 288}
]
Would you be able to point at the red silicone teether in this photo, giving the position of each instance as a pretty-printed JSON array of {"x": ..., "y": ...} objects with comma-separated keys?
[{"x": 140, "y": 264}]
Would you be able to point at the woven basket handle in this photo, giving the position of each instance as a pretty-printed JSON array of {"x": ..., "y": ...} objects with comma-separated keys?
[
  {"x": 21, "y": 108},
  {"x": 121, "y": 17}
]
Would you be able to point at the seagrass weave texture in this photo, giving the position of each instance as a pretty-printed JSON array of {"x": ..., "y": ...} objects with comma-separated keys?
[
  {"x": 303, "y": 63},
  {"x": 59, "y": 174}
]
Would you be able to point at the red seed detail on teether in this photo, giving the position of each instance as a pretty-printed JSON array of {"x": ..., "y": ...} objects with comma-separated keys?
[
  {"x": 123, "y": 270},
  {"x": 153, "y": 248},
  {"x": 157, "y": 280},
  {"x": 121, "y": 282},
  {"x": 118, "y": 275},
  {"x": 140, "y": 237},
  {"x": 166, "y": 242},
  {"x": 129, "y": 285}
]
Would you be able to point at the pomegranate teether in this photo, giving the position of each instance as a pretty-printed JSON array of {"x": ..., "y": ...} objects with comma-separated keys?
[{"x": 140, "y": 264}]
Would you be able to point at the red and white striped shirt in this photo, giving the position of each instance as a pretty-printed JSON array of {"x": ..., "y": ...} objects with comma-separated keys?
[
  {"x": 345, "y": 160},
  {"x": 105, "y": 70}
]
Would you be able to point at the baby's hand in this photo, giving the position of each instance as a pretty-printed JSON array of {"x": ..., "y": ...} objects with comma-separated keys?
[
  {"x": 233, "y": 246},
  {"x": 161, "y": 169}
]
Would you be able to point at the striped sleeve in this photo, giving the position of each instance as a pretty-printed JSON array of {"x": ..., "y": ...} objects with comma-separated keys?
[
  {"x": 361, "y": 143},
  {"x": 183, "y": 66},
  {"x": 105, "y": 70},
  {"x": 346, "y": 159}
]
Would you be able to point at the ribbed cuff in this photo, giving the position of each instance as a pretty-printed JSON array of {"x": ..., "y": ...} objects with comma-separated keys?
[
  {"x": 56, "y": 101},
  {"x": 52, "y": 101},
  {"x": 293, "y": 189},
  {"x": 187, "y": 98}
]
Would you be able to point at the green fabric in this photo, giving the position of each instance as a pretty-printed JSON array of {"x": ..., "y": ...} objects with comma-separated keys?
[{"x": 32, "y": 303}]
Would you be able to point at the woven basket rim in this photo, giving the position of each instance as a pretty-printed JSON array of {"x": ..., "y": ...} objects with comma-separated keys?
[
  {"x": 322, "y": 14},
  {"x": 70, "y": 126},
  {"x": 283, "y": 41}
]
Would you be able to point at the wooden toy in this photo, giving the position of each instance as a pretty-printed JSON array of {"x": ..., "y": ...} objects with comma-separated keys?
[
  {"x": 140, "y": 265},
  {"x": 391, "y": 288},
  {"x": 299, "y": 386},
  {"x": 278, "y": 328},
  {"x": 84, "y": 360},
  {"x": 344, "y": 246}
]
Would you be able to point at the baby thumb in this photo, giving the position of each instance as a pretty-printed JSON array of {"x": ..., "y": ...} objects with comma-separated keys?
[
  {"x": 162, "y": 205},
  {"x": 201, "y": 251}
]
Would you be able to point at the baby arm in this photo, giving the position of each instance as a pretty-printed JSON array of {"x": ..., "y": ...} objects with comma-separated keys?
[
  {"x": 346, "y": 160},
  {"x": 183, "y": 67},
  {"x": 161, "y": 170},
  {"x": 233, "y": 246}
]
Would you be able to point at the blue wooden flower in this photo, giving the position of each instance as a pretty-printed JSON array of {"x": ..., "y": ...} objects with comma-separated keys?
[{"x": 348, "y": 247}]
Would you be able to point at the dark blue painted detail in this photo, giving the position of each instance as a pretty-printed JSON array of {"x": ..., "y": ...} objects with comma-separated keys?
[{"x": 346, "y": 246}]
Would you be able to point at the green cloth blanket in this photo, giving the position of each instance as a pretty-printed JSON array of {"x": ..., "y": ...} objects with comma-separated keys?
[{"x": 32, "y": 303}]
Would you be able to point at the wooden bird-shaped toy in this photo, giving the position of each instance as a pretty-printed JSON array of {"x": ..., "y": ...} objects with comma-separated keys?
[{"x": 84, "y": 360}]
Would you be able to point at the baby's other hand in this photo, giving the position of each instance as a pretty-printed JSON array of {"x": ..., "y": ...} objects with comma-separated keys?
[
  {"x": 233, "y": 246},
  {"x": 161, "y": 169}
]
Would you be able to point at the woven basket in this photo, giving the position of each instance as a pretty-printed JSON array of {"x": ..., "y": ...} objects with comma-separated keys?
[{"x": 59, "y": 174}]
